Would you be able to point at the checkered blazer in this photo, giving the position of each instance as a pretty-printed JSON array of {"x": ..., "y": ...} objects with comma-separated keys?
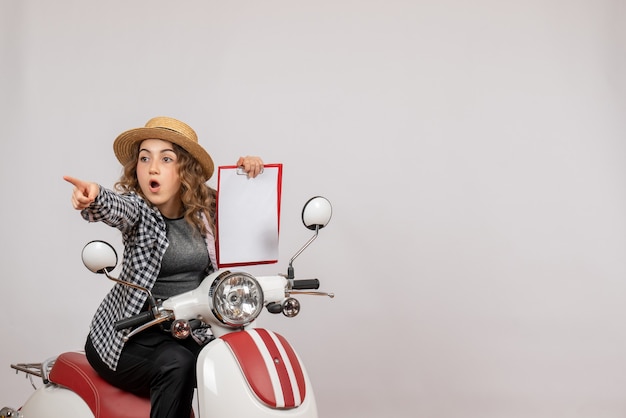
[{"x": 144, "y": 235}]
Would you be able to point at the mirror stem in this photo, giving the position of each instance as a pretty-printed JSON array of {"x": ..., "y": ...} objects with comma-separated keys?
[
  {"x": 290, "y": 273},
  {"x": 151, "y": 300}
]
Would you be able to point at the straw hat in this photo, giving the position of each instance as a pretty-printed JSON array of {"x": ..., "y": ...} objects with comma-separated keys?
[{"x": 167, "y": 129}]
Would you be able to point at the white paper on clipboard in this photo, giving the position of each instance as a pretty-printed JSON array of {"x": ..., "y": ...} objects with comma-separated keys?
[{"x": 248, "y": 216}]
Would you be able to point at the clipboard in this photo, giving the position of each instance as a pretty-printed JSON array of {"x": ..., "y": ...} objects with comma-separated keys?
[{"x": 247, "y": 216}]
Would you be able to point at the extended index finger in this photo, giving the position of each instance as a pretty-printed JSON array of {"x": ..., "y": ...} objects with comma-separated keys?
[
  {"x": 73, "y": 180},
  {"x": 80, "y": 186}
]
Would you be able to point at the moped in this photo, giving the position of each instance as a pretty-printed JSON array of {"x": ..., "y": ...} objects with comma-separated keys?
[{"x": 244, "y": 372}]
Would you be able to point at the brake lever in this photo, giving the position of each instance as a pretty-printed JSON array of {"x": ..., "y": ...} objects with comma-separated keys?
[{"x": 145, "y": 326}]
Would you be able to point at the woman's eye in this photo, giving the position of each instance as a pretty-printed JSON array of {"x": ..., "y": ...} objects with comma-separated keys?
[
  {"x": 168, "y": 159},
  {"x": 143, "y": 159}
]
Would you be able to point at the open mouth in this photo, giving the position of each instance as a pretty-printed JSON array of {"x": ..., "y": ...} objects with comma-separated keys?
[{"x": 154, "y": 186}]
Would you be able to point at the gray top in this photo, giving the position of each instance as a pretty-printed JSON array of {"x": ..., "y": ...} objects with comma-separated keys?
[{"x": 185, "y": 263}]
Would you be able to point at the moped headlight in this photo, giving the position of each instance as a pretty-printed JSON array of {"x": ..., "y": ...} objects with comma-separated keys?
[{"x": 236, "y": 298}]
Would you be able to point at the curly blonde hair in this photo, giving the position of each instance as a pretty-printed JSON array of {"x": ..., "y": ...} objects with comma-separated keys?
[{"x": 197, "y": 197}]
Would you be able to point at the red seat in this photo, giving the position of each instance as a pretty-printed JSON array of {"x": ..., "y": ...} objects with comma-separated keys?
[{"x": 74, "y": 372}]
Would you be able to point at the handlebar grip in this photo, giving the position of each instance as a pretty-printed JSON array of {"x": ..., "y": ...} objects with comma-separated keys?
[
  {"x": 306, "y": 284},
  {"x": 133, "y": 321}
]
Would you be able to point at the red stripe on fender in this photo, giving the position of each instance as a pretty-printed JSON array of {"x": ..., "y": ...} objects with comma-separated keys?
[
  {"x": 295, "y": 363},
  {"x": 252, "y": 364},
  {"x": 281, "y": 369}
]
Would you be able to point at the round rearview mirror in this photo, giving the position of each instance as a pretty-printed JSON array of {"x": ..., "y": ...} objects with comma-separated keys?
[
  {"x": 316, "y": 213},
  {"x": 99, "y": 257}
]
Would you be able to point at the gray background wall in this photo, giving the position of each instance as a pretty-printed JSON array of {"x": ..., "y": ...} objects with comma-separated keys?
[{"x": 473, "y": 151}]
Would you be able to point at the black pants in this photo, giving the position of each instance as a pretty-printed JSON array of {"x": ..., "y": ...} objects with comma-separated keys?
[{"x": 154, "y": 364}]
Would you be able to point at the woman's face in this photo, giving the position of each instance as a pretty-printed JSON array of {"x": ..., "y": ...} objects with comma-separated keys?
[{"x": 157, "y": 172}]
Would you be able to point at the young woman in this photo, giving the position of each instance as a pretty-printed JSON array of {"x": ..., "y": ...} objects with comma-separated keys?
[{"x": 165, "y": 212}]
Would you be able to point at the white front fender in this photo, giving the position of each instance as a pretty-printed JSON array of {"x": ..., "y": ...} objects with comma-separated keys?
[{"x": 224, "y": 392}]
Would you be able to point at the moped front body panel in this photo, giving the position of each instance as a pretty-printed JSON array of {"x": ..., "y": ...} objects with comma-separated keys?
[
  {"x": 224, "y": 390},
  {"x": 270, "y": 367}
]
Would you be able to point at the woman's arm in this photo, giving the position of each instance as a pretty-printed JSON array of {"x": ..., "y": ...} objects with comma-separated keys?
[{"x": 98, "y": 204}]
